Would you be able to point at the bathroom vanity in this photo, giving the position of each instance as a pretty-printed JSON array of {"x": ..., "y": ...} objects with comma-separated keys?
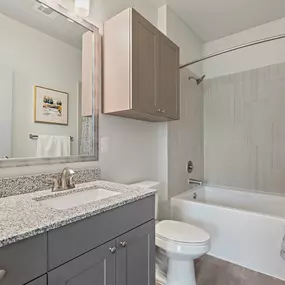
[{"x": 111, "y": 241}]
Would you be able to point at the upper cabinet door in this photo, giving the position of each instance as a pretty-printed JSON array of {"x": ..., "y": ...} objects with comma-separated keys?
[
  {"x": 169, "y": 78},
  {"x": 136, "y": 256},
  {"x": 145, "y": 41}
]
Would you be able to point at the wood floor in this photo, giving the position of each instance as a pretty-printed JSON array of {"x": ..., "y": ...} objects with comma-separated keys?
[{"x": 213, "y": 271}]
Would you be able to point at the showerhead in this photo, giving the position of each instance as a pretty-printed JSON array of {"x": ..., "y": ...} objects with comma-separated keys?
[{"x": 198, "y": 80}]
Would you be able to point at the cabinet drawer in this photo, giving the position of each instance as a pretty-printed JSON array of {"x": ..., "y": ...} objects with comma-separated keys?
[
  {"x": 24, "y": 261},
  {"x": 40, "y": 281},
  {"x": 75, "y": 239}
]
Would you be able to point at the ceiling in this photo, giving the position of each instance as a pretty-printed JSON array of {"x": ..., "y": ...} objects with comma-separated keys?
[
  {"x": 214, "y": 19},
  {"x": 60, "y": 28}
]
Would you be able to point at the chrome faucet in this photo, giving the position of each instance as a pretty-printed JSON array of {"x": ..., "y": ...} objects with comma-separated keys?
[
  {"x": 65, "y": 182},
  {"x": 194, "y": 181}
]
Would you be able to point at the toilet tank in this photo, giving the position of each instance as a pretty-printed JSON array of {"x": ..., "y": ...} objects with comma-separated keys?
[{"x": 152, "y": 185}]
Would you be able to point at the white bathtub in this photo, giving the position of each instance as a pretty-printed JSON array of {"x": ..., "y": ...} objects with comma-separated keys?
[{"x": 246, "y": 228}]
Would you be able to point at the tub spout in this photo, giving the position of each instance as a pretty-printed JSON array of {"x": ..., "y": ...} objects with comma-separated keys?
[{"x": 194, "y": 181}]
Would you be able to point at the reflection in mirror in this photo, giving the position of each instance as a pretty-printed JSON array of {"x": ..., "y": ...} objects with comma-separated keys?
[{"x": 46, "y": 83}]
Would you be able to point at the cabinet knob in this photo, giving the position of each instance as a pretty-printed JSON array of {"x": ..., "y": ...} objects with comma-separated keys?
[
  {"x": 123, "y": 243},
  {"x": 2, "y": 274},
  {"x": 113, "y": 249},
  {"x": 163, "y": 111},
  {"x": 158, "y": 110}
]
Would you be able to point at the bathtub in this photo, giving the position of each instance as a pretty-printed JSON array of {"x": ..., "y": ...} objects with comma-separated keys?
[{"x": 246, "y": 228}]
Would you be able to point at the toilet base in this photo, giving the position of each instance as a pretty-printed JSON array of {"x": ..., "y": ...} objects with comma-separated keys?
[{"x": 181, "y": 272}]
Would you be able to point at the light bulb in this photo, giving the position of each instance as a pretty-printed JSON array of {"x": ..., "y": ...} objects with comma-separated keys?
[{"x": 81, "y": 8}]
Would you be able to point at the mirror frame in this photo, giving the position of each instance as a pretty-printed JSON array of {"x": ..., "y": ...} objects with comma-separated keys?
[{"x": 96, "y": 90}]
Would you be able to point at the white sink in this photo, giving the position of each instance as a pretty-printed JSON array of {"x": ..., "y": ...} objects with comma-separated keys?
[{"x": 78, "y": 198}]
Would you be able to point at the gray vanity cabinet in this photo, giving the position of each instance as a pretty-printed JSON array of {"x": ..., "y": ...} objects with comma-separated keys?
[
  {"x": 116, "y": 247},
  {"x": 136, "y": 256},
  {"x": 24, "y": 261},
  {"x": 97, "y": 267},
  {"x": 40, "y": 281},
  {"x": 127, "y": 260}
]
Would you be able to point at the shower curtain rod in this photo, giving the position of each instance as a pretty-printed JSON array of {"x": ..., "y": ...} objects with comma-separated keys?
[{"x": 235, "y": 48}]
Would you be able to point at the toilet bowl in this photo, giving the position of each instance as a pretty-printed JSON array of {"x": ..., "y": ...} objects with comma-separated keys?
[{"x": 182, "y": 243}]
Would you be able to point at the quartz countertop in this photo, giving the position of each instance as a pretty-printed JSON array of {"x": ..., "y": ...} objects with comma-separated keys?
[{"x": 24, "y": 216}]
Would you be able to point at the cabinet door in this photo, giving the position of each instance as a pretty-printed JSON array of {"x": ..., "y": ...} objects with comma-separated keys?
[
  {"x": 97, "y": 267},
  {"x": 169, "y": 78},
  {"x": 145, "y": 41},
  {"x": 40, "y": 281},
  {"x": 136, "y": 256}
]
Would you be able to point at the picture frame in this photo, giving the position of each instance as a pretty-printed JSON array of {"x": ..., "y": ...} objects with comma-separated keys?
[{"x": 50, "y": 106}]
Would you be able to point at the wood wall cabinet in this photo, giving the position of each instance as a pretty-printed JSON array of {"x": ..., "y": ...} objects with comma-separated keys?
[{"x": 141, "y": 70}]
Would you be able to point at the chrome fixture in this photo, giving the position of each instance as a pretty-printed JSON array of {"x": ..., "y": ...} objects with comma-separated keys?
[
  {"x": 234, "y": 49},
  {"x": 113, "y": 249},
  {"x": 35, "y": 137},
  {"x": 65, "y": 182},
  {"x": 123, "y": 243},
  {"x": 194, "y": 181},
  {"x": 190, "y": 166},
  {"x": 198, "y": 80}
]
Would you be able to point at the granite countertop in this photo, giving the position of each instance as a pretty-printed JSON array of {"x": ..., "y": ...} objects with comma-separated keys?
[{"x": 24, "y": 216}]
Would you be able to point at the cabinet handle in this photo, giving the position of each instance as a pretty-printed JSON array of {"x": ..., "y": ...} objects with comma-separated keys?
[
  {"x": 2, "y": 274},
  {"x": 158, "y": 110},
  {"x": 113, "y": 249},
  {"x": 123, "y": 243}
]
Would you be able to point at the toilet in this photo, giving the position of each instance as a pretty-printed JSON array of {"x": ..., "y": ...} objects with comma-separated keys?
[{"x": 182, "y": 243}]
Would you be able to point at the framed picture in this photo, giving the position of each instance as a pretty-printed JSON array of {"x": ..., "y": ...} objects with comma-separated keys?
[{"x": 50, "y": 106}]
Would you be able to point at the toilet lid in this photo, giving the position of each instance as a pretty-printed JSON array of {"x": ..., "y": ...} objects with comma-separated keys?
[{"x": 181, "y": 232}]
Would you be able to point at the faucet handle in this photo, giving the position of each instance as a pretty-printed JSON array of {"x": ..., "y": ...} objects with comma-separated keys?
[
  {"x": 71, "y": 183},
  {"x": 55, "y": 184}
]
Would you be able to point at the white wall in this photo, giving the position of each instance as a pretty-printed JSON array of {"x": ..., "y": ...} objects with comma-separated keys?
[
  {"x": 37, "y": 59},
  {"x": 183, "y": 139},
  {"x": 248, "y": 58},
  {"x": 6, "y": 91},
  {"x": 190, "y": 45}
]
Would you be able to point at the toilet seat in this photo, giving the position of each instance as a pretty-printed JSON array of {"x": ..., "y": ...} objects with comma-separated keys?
[
  {"x": 181, "y": 233},
  {"x": 181, "y": 238}
]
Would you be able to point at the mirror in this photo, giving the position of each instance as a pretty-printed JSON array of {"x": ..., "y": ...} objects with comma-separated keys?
[{"x": 47, "y": 85}]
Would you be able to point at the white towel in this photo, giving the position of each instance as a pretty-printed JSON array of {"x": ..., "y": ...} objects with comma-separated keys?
[{"x": 53, "y": 146}]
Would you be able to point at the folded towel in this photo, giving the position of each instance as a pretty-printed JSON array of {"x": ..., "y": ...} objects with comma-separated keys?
[{"x": 53, "y": 146}]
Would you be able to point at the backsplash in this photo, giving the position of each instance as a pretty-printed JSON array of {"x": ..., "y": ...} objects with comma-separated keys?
[
  {"x": 10, "y": 186},
  {"x": 244, "y": 129}
]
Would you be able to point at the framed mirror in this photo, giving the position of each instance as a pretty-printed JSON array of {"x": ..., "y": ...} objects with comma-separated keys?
[{"x": 49, "y": 85}]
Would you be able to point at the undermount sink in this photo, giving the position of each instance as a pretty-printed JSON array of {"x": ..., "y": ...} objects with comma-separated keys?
[{"x": 78, "y": 198}]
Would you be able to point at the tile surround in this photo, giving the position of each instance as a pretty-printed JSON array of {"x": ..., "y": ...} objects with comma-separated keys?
[
  {"x": 10, "y": 186},
  {"x": 185, "y": 137},
  {"x": 244, "y": 129}
]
